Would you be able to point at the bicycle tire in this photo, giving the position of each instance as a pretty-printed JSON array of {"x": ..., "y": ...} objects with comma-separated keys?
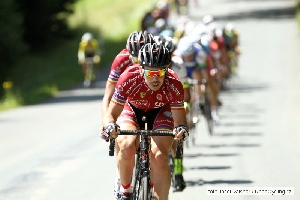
[
  {"x": 135, "y": 172},
  {"x": 194, "y": 117},
  {"x": 144, "y": 193},
  {"x": 136, "y": 186}
]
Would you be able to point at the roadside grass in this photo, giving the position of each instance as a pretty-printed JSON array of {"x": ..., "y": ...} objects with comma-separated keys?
[
  {"x": 298, "y": 12},
  {"x": 38, "y": 76}
]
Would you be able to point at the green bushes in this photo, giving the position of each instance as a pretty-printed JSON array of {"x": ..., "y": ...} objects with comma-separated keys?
[
  {"x": 50, "y": 62},
  {"x": 11, "y": 43}
]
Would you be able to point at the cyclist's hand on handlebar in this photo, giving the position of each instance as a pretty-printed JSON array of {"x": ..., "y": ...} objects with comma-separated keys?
[
  {"x": 180, "y": 132},
  {"x": 111, "y": 130}
]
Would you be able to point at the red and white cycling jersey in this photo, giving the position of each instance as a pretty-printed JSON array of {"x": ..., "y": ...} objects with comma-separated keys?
[
  {"x": 132, "y": 87},
  {"x": 121, "y": 62}
]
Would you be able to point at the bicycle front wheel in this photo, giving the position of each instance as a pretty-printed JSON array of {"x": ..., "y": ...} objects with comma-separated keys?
[{"x": 144, "y": 188}]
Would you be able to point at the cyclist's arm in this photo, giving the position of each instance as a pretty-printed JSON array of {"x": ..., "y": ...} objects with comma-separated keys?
[
  {"x": 96, "y": 47},
  {"x": 187, "y": 94},
  {"x": 109, "y": 91},
  {"x": 81, "y": 52},
  {"x": 177, "y": 107},
  {"x": 112, "y": 114}
]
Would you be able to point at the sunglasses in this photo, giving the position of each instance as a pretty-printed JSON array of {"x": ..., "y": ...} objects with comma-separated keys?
[
  {"x": 134, "y": 59},
  {"x": 152, "y": 73}
]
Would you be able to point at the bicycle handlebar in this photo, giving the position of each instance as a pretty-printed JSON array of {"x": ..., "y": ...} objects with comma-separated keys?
[
  {"x": 196, "y": 82},
  {"x": 137, "y": 132},
  {"x": 146, "y": 132}
]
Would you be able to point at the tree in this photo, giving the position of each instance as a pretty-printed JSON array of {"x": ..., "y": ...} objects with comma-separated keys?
[
  {"x": 11, "y": 41},
  {"x": 45, "y": 20}
]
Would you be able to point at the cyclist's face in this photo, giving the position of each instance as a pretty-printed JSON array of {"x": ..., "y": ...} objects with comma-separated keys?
[{"x": 154, "y": 77}]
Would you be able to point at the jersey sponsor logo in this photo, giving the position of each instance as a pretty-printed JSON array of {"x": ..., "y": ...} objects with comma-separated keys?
[
  {"x": 139, "y": 103},
  {"x": 178, "y": 101},
  {"x": 175, "y": 89},
  {"x": 159, "y": 104},
  {"x": 142, "y": 94},
  {"x": 164, "y": 120},
  {"x": 159, "y": 97},
  {"x": 118, "y": 95},
  {"x": 132, "y": 84},
  {"x": 168, "y": 114},
  {"x": 171, "y": 85}
]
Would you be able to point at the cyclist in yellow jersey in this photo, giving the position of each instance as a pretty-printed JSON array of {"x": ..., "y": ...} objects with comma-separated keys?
[{"x": 88, "y": 48}]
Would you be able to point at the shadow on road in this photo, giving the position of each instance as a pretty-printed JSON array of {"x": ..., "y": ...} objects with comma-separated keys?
[
  {"x": 201, "y": 182},
  {"x": 228, "y": 145},
  {"x": 245, "y": 87},
  {"x": 236, "y": 134},
  {"x": 249, "y": 124},
  {"x": 209, "y": 155},
  {"x": 206, "y": 167}
]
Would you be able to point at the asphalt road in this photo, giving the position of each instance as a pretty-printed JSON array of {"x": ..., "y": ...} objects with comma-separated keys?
[{"x": 52, "y": 151}]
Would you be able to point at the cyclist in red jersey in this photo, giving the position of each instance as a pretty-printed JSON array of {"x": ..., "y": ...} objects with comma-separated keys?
[
  {"x": 127, "y": 57},
  {"x": 122, "y": 61},
  {"x": 152, "y": 90}
]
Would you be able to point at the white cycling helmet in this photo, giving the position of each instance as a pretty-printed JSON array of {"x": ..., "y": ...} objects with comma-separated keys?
[
  {"x": 207, "y": 19},
  {"x": 229, "y": 27},
  {"x": 87, "y": 37},
  {"x": 185, "y": 46}
]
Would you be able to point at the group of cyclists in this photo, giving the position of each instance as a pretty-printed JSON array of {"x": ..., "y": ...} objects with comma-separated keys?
[{"x": 150, "y": 77}]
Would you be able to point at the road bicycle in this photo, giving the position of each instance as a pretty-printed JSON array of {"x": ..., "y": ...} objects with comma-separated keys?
[
  {"x": 193, "y": 116},
  {"x": 200, "y": 105},
  {"x": 90, "y": 76},
  {"x": 141, "y": 182},
  {"x": 204, "y": 100}
]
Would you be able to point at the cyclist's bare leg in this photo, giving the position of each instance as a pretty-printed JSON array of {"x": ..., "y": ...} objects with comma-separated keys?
[
  {"x": 160, "y": 171},
  {"x": 126, "y": 149},
  {"x": 196, "y": 74},
  {"x": 84, "y": 68}
]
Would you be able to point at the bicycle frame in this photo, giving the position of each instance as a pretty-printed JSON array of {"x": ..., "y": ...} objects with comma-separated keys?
[{"x": 141, "y": 173}]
